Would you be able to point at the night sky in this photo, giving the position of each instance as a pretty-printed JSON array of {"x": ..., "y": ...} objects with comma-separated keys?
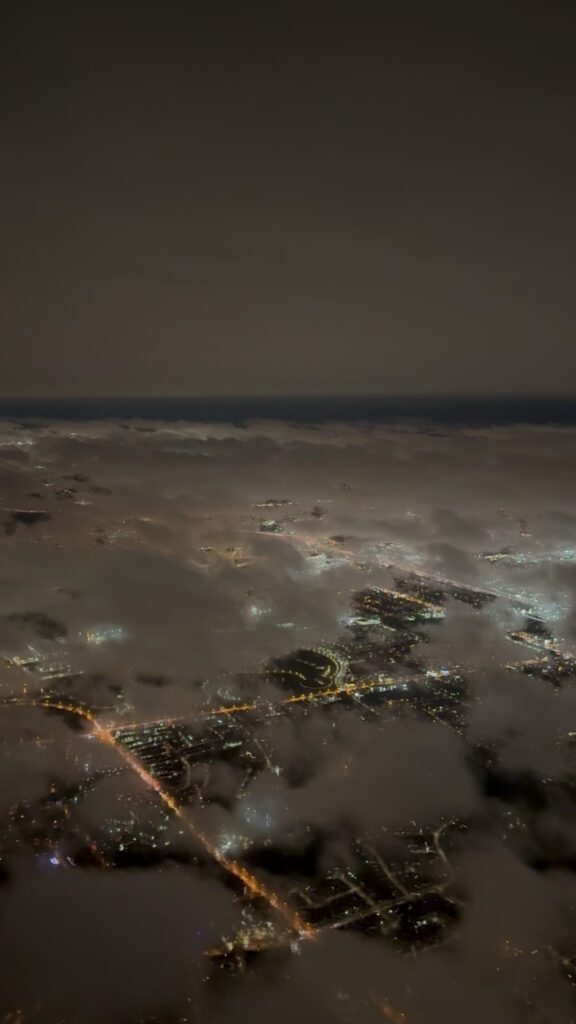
[{"x": 279, "y": 198}]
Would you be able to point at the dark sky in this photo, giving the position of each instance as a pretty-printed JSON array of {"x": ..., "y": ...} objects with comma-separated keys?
[{"x": 225, "y": 197}]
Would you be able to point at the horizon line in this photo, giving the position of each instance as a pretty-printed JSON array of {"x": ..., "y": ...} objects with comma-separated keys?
[{"x": 289, "y": 395}]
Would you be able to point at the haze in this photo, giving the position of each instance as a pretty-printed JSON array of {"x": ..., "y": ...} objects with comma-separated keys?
[
  {"x": 287, "y": 723},
  {"x": 218, "y": 198}
]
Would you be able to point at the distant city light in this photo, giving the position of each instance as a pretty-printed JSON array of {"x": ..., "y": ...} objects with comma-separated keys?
[{"x": 104, "y": 634}]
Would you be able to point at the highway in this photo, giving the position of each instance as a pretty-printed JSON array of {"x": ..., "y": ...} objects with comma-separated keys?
[{"x": 100, "y": 732}]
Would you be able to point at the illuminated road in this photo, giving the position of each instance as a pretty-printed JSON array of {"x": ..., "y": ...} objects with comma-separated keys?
[
  {"x": 105, "y": 734},
  {"x": 311, "y": 697},
  {"x": 297, "y": 927},
  {"x": 255, "y": 887}
]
